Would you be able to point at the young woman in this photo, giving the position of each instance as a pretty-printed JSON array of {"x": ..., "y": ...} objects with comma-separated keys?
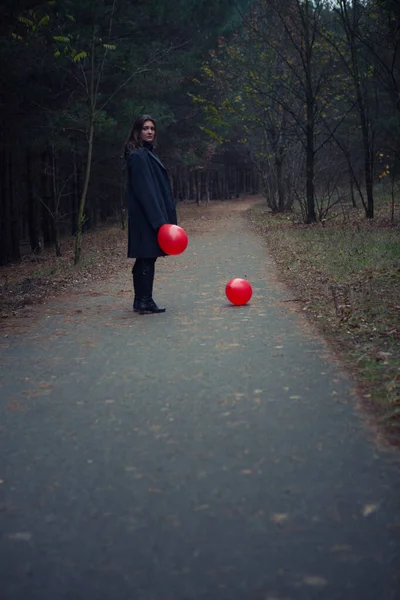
[{"x": 150, "y": 205}]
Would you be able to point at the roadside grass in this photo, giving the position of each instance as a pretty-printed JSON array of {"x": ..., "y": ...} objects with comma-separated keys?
[{"x": 346, "y": 276}]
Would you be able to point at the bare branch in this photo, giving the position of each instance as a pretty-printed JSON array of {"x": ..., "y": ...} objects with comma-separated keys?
[
  {"x": 100, "y": 74},
  {"x": 140, "y": 70}
]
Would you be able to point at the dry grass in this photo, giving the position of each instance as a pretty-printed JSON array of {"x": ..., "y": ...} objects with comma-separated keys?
[
  {"x": 346, "y": 274},
  {"x": 43, "y": 276}
]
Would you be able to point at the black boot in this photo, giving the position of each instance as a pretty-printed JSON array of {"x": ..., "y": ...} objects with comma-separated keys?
[
  {"x": 143, "y": 278},
  {"x": 136, "y": 283},
  {"x": 147, "y": 306}
]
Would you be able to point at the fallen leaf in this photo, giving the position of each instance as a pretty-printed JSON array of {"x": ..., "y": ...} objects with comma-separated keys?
[
  {"x": 368, "y": 509},
  {"x": 173, "y": 520},
  {"x": 315, "y": 581},
  {"x": 14, "y": 404},
  {"x": 21, "y": 536},
  {"x": 45, "y": 385},
  {"x": 279, "y": 518}
]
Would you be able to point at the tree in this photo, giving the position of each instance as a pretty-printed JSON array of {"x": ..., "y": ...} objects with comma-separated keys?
[
  {"x": 350, "y": 47},
  {"x": 74, "y": 75},
  {"x": 282, "y": 71},
  {"x": 87, "y": 43}
]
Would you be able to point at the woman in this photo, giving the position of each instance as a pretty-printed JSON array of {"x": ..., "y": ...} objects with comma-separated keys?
[{"x": 150, "y": 205}]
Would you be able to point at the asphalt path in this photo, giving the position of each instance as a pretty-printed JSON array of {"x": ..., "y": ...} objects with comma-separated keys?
[{"x": 212, "y": 452}]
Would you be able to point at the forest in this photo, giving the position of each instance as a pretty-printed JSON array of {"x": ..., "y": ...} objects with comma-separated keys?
[{"x": 295, "y": 100}]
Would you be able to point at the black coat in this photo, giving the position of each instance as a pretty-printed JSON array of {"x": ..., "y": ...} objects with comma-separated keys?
[{"x": 150, "y": 203}]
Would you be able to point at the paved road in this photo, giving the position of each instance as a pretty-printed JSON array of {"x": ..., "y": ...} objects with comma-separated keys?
[{"x": 213, "y": 452}]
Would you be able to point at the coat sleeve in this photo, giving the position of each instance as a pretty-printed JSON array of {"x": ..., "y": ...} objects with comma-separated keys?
[{"x": 144, "y": 189}]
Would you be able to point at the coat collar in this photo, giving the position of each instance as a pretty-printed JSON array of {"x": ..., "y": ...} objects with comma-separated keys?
[{"x": 154, "y": 157}]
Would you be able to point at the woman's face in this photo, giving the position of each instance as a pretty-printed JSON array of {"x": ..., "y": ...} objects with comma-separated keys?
[{"x": 148, "y": 132}]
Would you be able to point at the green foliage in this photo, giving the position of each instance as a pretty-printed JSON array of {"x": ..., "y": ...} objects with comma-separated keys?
[
  {"x": 213, "y": 81},
  {"x": 78, "y": 70}
]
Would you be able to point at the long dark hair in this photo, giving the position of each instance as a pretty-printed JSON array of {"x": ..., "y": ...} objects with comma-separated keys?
[{"x": 134, "y": 140}]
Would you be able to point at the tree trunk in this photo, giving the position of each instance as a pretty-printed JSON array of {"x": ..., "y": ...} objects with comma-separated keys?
[
  {"x": 223, "y": 186},
  {"x": 279, "y": 183},
  {"x": 9, "y": 214},
  {"x": 392, "y": 192},
  {"x": 235, "y": 187},
  {"x": 368, "y": 150},
  {"x": 369, "y": 178},
  {"x": 191, "y": 185},
  {"x": 310, "y": 214},
  {"x": 46, "y": 221},
  {"x": 196, "y": 184},
  {"x": 351, "y": 27},
  {"x": 14, "y": 224},
  {"x": 353, "y": 199},
  {"x": 122, "y": 200},
  {"x": 187, "y": 185},
  {"x": 6, "y": 247},
  {"x": 217, "y": 186},
  {"x": 76, "y": 193},
  {"x": 9, "y": 238},
  {"x": 208, "y": 194},
  {"x": 33, "y": 213},
  {"x": 82, "y": 202},
  {"x": 55, "y": 206}
]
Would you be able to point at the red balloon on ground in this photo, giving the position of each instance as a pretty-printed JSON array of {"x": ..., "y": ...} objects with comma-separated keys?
[
  {"x": 172, "y": 239},
  {"x": 238, "y": 291}
]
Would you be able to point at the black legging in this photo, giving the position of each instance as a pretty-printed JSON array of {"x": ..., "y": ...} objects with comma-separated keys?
[
  {"x": 144, "y": 266},
  {"x": 143, "y": 277}
]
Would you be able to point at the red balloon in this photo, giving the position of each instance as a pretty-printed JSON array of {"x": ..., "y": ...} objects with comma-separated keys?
[
  {"x": 238, "y": 291},
  {"x": 172, "y": 239}
]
